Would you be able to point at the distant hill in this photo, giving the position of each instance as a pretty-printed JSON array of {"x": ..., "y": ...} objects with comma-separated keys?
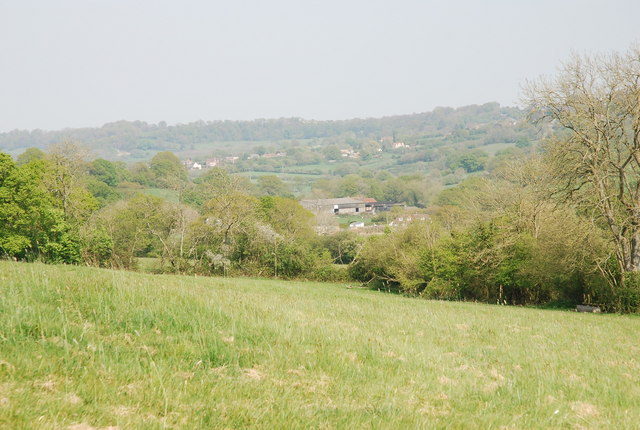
[{"x": 135, "y": 140}]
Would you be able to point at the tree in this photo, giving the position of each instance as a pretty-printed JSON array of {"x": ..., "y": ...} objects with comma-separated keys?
[
  {"x": 168, "y": 169},
  {"x": 353, "y": 185},
  {"x": 394, "y": 190},
  {"x": 107, "y": 171},
  {"x": 214, "y": 184},
  {"x": 594, "y": 102},
  {"x": 104, "y": 176},
  {"x": 286, "y": 216},
  {"x": 228, "y": 212},
  {"x": 344, "y": 246},
  {"x": 29, "y": 155},
  {"x": 470, "y": 161},
  {"x": 271, "y": 185},
  {"x": 13, "y": 210},
  {"x": 332, "y": 152},
  {"x": 143, "y": 225},
  {"x": 65, "y": 177},
  {"x": 30, "y": 226},
  {"x": 141, "y": 173},
  {"x": 102, "y": 192}
]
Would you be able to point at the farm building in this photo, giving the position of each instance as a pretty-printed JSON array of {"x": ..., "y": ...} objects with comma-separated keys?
[
  {"x": 346, "y": 205},
  {"x": 343, "y": 205}
]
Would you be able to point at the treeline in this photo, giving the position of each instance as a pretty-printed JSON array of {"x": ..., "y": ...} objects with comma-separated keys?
[
  {"x": 139, "y": 135},
  {"x": 500, "y": 239},
  {"x": 57, "y": 207}
]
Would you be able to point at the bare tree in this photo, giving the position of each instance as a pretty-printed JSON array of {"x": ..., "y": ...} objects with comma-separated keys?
[{"x": 594, "y": 105}]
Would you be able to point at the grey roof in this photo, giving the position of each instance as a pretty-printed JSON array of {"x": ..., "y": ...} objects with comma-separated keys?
[{"x": 330, "y": 202}]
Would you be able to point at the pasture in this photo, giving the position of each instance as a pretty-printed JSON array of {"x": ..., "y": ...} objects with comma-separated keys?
[{"x": 86, "y": 348}]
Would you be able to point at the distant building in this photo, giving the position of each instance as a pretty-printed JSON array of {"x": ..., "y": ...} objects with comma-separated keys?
[
  {"x": 192, "y": 165},
  {"x": 384, "y": 206},
  {"x": 347, "y": 205},
  {"x": 369, "y": 204},
  {"x": 408, "y": 219},
  {"x": 349, "y": 153},
  {"x": 213, "y": 162},
  {"x": 342, "y": 205}
]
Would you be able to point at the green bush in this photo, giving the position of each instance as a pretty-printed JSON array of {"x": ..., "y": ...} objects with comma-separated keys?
[
  {"x": 628, "y": 294},
  {"x": 97, "y": 247},
  {"x": 440, "y": 289}
]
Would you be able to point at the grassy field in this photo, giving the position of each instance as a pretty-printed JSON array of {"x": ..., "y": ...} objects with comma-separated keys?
[
  {"x": 345, "y": 220},
  {"x": 84, "y": 348},
  {"x": 163, "y": 193}
]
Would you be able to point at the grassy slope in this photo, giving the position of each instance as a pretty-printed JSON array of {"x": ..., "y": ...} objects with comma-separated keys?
[{"x": 106, "y": 348}]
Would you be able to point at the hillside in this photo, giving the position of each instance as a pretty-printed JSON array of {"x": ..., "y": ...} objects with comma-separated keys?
[
  {"x": 138, "y": 140},
  {"x": 85, "y": 348},
  {"x": 446, "y": 145}
]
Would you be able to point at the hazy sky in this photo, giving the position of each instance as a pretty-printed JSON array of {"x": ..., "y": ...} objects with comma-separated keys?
[{"x": 73, "y": 63}]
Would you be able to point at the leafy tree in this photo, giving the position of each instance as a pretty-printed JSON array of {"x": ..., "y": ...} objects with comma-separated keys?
[
  {"x": 332, "y": 152},
  {"x": 394, "y": 190},
  {"x": 102, "y": 192},
  {"x": 14, "y": 209},
  {"x": 141, "y": 173},
  {"x": 30, "y": 226},
  {"x": 459, "y": 195},
  {"x": 228, "y": 213},
  {"x": 65, "y": 176},
  {"x": 214, "y": 183},
  {"x": 107, "y": 171},
  {"x": 344, "y": 246},
  {"x": 353, "y": 185},
  {"x": 167, "y": 169},
  {"x": 98, "y": 246},
  {"x": 272, "y": 185},
  {"x": 470, "y": 161},
  {"x": 287, "y": 216},
  {"x": 141, "y": 226},
  {"x": 392, "y": 261},
  {"x": 29, "y": 155}
]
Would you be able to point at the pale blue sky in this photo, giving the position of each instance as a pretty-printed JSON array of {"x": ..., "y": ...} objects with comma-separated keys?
[{"x": 73, "y": 63}]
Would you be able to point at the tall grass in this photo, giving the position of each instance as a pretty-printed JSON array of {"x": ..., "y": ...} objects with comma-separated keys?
[{"x": 96, "y": 348}]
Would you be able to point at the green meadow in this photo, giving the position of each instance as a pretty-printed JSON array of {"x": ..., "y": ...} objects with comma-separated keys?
[{"x": 85, "y": 348}]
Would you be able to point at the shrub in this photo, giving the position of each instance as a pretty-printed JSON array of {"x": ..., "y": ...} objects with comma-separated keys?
[
  {"x": 440, "y": 289},
  {"x": 628, "y": 294}
]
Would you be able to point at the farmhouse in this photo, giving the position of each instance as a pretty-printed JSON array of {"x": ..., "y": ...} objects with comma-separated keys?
[
  {"x": 193, "y": 165},
  {"x": 213, "y": 162}
]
